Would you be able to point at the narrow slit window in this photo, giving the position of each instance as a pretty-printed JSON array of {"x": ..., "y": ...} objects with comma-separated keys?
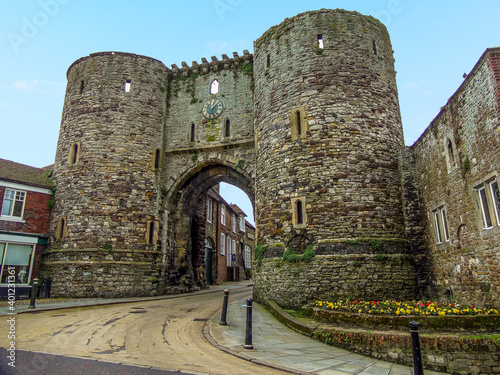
[
  {"x": 299, "y": 123},
  {"x": 227, "y": 129},
  {"x": 151, "y": 236},
  {"x": 374, "y": 46},
  {"x": 268, "y": 61},
  {"x": 82, "y": 86},
  {"x": 214, "y": 87},
  {"x": 157, "y": 158},
  {"x": 74, "y": 154},
  {"x": 193, "y": 131},
  {"x": 127, "y": 86},
  {"x": 300, "y": 212},
  {"x": 451, "y": 154},
  {"x": 61, "y": 228},
  {"x": 321, "y": 43}
]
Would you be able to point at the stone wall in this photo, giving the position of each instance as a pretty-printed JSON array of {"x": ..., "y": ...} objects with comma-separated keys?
[
  {"x": 459, "y": 153},
  {"x": 364, "y": 274}
]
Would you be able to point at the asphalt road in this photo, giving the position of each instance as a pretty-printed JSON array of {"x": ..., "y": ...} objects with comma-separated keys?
[{"x": 165, "y": 334}]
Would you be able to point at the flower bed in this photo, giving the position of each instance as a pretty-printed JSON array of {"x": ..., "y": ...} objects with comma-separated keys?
[
  {"x": 397, "y": 316},
  {"x": 398, "y": 308}
]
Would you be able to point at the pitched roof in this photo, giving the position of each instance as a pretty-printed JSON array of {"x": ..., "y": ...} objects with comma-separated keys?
[{"x": 25, "y": 174}]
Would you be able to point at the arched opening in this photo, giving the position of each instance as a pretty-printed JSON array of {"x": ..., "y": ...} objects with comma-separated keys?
[{"x": 204, "y": 250}]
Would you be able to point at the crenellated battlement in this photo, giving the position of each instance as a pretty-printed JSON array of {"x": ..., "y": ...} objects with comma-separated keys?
[{"x": 214, "y": 65}]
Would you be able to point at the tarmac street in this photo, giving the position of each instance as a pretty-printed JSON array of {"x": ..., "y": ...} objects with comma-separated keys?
[{"x": 162, "y": 333}]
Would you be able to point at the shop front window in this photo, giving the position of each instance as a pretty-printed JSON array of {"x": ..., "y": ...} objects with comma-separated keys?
[{"x": 17, "y": 261}]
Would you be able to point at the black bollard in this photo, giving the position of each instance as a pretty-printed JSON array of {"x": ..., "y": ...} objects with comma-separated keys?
[
  {"x": 248, "y": 334},
  {"x": 223, "y": 316},
  {"x": 34, "y": 291},
  {"x": 417, "y": 355}
]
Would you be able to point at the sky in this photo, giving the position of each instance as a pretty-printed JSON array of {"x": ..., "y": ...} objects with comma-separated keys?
[{"x": 434, "y": 43}]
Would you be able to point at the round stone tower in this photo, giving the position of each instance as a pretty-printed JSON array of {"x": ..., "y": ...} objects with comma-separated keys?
[
  {"x": 328, "y": 131},
  {"x": 328, "y": 139},
  {"x": 105, "y": 221}
]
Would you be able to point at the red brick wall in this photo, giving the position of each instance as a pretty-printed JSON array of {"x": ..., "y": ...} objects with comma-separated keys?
[{"x": 36, "y": 214}]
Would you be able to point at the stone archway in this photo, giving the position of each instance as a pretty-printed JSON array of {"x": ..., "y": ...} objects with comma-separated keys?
[{"x": 185, "y": 265}]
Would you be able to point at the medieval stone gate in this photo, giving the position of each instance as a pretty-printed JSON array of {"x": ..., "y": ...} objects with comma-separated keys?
[{"x": 308, "y": 126}]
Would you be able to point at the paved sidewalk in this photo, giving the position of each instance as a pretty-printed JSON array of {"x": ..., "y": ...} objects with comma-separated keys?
[{"x": 277, "y": 346}]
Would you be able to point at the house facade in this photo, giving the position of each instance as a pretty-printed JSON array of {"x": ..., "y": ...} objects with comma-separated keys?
[{"x": 25, "y": 194}]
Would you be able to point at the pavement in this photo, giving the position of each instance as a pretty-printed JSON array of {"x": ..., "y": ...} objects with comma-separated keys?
[{"x": 273, "y": 344}]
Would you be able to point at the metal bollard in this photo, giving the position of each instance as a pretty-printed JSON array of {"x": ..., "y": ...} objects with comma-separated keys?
[
  {"x": 223, "y": 316},
  {"x": 34, "y": 291},
  {"x": 248, "y": 334},
  {"x": 417, "y": 355}
]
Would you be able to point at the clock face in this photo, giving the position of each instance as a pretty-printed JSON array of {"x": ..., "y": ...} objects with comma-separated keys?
[{"x": 212, "y": 109}]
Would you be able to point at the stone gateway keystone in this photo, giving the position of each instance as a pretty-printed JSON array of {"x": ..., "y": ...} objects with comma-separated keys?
[{"x": 308, "y": 126}]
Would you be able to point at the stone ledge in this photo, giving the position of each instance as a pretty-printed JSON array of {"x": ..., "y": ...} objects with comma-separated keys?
[{"x": 218, "y": 147}]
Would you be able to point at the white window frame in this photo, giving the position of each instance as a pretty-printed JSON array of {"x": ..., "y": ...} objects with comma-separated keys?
[
  {"x": 437, "y": 228},
  {"x": 222, "y": 244},
  {"x": 210, "y": 210},
  {"x": 441, "y": 227},
  {"x": 242, "y": 223},
  {"x": 495, "y": 198},
  {"x": 488, "y": 202},
  {"x": 15, "y": 192},
  {"x": 223, "y": 214},
  {"x": 229, "y": 252},
  {"x": 248, "y": 256},
  {"x": 233, "y": 222}
]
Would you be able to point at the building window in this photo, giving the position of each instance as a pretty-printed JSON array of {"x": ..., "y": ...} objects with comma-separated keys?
[
  {"x": 127, "y": 86},
  {"x": 242, "y": 223},
  {"x": 374, "y": 46},
  {"x": 222, "y": 244},
  {"x": 321, "y": 43},
  {"x": 227, "y": 129},
  {"x": 268, "y": 63},
  {"x": 13, "y": 203},
  {"x": 229, "y": 252},
  {"x": 192, "y": 133},
  {"x": 299, "y": 217},
  {"x": 223, "y": 214},
  {"x": 441, "y": 225},
  {"x": 82, "y": 86},
  {"x": 210, "y": 209},
  {"x": 61, "y": 230},
  {"x": 214, "y": 87},
  {"x": 489, "y": 203},
  {"x": 299, "y": 124},
  {"x": 74, "y": 154},
  {"x": 157, "y": 158},
  {"x": 233, "y": 222},
  {"x": 16, "y": 263},
  {"x": 248, "y": 257},
  {"x": 451, "y": 155},
  {"x": 152, "y": 232}
]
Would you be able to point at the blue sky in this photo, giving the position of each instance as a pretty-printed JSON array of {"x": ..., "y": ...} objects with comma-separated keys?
[{"x": 434, "y": 43}]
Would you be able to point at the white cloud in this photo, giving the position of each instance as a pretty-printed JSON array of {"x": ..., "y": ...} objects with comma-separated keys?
[{"x": 38, "y": 86}]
